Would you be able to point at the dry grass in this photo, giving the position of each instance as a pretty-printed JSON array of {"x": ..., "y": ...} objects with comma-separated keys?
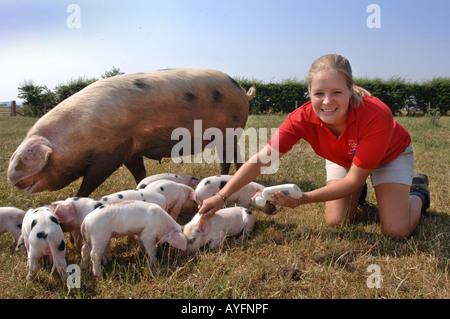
[{"x": 293, "y": 254}]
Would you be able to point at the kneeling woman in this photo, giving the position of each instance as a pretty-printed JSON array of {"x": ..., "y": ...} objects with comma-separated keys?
[{"x": 358, "y": 137}]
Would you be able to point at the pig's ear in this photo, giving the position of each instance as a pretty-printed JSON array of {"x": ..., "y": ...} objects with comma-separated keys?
[
  {"x": 177, "y": 239},
  {"x": 65, "y": 212},
  {"x": 194, "y": 182},
  {"x": 32, "y": 155},
  {"x": 204, "y": 225},
  {"x": 192, "y": 196}
]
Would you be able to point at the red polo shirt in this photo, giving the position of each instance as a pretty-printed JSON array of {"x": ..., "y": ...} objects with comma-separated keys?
[{"x": 371, "y": 137}]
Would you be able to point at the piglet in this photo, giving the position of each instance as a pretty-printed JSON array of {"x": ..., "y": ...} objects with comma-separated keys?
[
  {"x": 245, "y": 197},
  {"x": 183, "y": 179},
  {"x": 179, "y": 197},
  {"x": 11, "y": 221},
  {"x": 72, "y": 211},
  {"x": 148, "y": 221},
  {"x": 230, "y": 221},
  {"x": 42, "y": 235}
]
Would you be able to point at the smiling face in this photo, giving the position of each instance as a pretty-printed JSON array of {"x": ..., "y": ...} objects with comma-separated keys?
[{"x": 330, "y": 98}]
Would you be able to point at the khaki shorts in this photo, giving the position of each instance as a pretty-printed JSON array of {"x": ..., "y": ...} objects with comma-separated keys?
[{"x": 400, "y": 170}]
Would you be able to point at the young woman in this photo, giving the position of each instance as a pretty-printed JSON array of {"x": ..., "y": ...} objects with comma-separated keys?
[{"x": 358, "y": 137}]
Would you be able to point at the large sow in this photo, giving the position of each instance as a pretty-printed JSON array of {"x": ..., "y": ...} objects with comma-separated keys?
[{"x": 119, "y": 120}]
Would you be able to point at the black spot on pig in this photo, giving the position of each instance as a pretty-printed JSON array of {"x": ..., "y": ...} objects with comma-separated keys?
[
  {"x": 142, "y": 186},
  {"x": 222, "y": 184},
  {"x": 53, "y": 219},
  {"x": 62, "y": 245},
  {"x": 248, "y": 212},
  {"x": 218, "y": 97},
  {"x": 120, "y": 196},
  {"x": 190, "y": 97},
  {"x": 141, "y": 84},
  {"x": 75, "y": 198},
  {"x": 35, "y": 211},
  {"x": 41, "y": 235},
  {"x": 207, "y": 182},
  {"x": 105, "y": 199},
  {"x": 98, "y": 205},
  {"x": 33, "y": 223},
  {"x": 161, "y": 188}
]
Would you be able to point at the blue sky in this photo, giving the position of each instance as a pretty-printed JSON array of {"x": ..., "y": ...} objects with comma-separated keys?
[{"x": 268, "y": 40}]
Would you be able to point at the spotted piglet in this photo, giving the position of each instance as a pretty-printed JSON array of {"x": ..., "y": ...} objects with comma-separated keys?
[
  {"x": 183, "y": 179},
  {"x": 72, "y": 211},
  {"x": 11, "y": 221},
  {"x": 180, "y": 198},
  {"x": 148, "y": 221},
  {"x": 231, "y": 221},
  {"x": 245, "y": 197},
  {"x": 42, "y": 235}
]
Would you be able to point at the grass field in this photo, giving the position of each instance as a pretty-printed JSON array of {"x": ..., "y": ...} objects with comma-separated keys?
[{"x": 293, "y": 254}]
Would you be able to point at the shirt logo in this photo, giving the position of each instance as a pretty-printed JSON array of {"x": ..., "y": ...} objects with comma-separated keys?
[{"x": 352, "y": 144}]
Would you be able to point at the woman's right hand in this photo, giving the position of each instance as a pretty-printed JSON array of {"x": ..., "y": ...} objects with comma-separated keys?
[{"x": 210, "y": 206}]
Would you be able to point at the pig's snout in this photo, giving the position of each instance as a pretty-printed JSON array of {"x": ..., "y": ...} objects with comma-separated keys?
[{"x": 270, "y": 209}]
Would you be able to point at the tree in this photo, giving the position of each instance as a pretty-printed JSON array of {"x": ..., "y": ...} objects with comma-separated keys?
[
  {"x": 63, "y": 91},
  {"x": 114, "y": 71},
  {"x": 38, "y": 99}
]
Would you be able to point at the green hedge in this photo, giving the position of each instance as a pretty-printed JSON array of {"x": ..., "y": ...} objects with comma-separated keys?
[{"x": 398, "y": 94}]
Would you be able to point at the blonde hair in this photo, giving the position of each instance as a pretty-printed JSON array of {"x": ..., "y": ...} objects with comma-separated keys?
[{"x": 338, "y": 63}]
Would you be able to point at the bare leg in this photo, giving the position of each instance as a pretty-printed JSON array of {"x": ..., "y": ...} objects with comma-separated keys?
[
  {"x": 341, "y": 211},
  {"x": 399, "y": 211}
]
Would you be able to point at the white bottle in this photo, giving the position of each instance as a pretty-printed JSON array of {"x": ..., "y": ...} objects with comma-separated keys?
[{"x": 291, "y": 190}]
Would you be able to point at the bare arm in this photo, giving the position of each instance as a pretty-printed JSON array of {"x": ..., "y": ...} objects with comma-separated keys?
[
  {"x": 342, "y": 188},
  {"x": 246, "y": 174}
]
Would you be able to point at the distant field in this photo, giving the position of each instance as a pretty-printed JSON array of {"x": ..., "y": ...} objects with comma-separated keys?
[
  {"x": 293, "y": 254},
  {"x": 5, "y": 111}
]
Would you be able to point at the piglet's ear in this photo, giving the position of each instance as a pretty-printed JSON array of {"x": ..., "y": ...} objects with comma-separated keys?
[
  {"x": 65, "y": 212},
  {"x": 177, "y": 239},
  {"x": 192, "y": 196},
  {"x": 204, "y": 226}
]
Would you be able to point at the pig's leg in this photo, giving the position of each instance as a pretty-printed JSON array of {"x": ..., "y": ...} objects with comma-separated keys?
[
  {"x": 216, "y": 242},
  {"x": 16, "y": 234},
  {"x": 234, "y": 150},
  {"x": 100, "y": 168},
  {"x": 96, "y": 254},
  {"x": 224, "y": 168},
  {"x": 137, "y": 168},
  {"x": 33, "y": 264},
  {"x": 76, "y": 238},
  {"x": 106, "y": 258},
  {"x": 85, "y": 253},
  {"x": 237, "y": 156},
  {"x": 149, "y": 243}
]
